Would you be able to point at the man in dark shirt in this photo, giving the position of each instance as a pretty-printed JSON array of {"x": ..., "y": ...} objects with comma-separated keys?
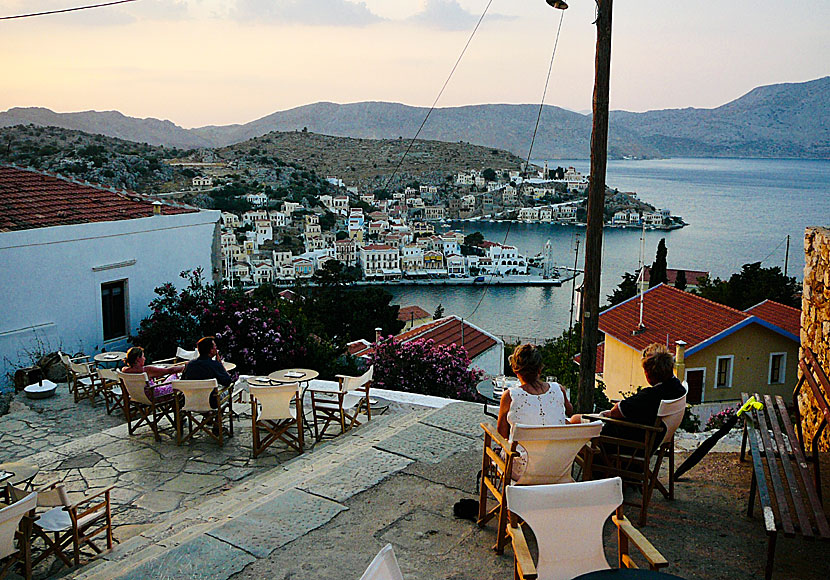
[
  {"x": 208, "y": 365},
  {"x": 658, "y": 366}
]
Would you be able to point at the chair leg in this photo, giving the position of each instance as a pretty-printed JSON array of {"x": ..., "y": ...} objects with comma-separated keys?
[{"x": 770, "y": 555}]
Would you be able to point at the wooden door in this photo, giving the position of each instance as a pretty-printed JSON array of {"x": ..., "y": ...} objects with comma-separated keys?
[{"x": 694, "y": 379}]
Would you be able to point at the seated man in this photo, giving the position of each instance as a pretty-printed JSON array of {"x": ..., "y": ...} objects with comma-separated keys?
[
  {"x": 208, "y": 365},
  {"x": 658, "y": 366}
]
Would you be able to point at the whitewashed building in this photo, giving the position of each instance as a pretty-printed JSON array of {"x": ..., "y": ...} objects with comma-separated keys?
[{"x": 80, "y": 263}]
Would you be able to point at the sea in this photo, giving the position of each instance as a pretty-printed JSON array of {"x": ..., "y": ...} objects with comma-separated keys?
[{"x": 738, "y": 211}]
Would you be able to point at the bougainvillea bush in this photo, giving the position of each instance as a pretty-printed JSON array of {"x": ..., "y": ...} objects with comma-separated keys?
[
  {"x": 424, "y": 367},
  {"x": 718, "y": 420},
  {"x": 257, "y": 338}
]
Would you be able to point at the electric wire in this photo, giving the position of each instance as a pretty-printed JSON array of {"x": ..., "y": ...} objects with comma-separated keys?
[
  {"x": 62, "y": 10},
  {"x": 529, "y": 153},
  {"x": 441, "y": 92},
  {"x": 775, "y": 249}
]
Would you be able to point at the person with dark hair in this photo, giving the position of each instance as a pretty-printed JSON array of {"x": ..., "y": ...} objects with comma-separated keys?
[
  {"x": 135, "y": 365},
  {"x": 533, "y": 401},
  {"x": 208, "y": 365}
]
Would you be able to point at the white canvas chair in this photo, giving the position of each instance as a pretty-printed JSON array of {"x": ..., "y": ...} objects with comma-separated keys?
[
  {"x": 384, "y": 566},
  {"x": 273, "y": 417},
  {"x": 550, "y": 454},
  {"x": 182, "y": 355},
  {"x": 80, "y": 375},
  {"x": 193, "y": 405},
  {"x": 142, "y": 407},
  {"x": 567, "y": 522},
  {"x": 110, "y": 389},
  {"x": 638, "y": 459},
  {"x": 340, "y": 402},
  {"x": 67, "y": 528},
  {"x": 16, "y": 535}
]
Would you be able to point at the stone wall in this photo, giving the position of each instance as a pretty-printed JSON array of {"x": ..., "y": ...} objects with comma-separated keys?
[{"x": 815, "y": 320}]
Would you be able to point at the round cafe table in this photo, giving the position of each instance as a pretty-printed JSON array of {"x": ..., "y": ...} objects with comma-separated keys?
[
  {"x": 18, "y": 472},
  {"x": 293, "y": 376},
  {"x": 111, "y": 357}
]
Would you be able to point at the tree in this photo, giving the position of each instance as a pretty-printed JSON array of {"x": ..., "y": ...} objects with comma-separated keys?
[
  {"x": 439, "y": 312},
  {"x": 474, "y": 239},
  {"x": 489, "y": 174},
  {"x": 626, "y": 289},
  {"x": 752, "y": 285},
  {"x": 680, "y": 281},
  {"x": 658, "y": 267}
]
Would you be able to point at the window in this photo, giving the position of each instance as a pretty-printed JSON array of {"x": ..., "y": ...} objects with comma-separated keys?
[
  {"x": 723, "y": 372},
  {"x": 114, "y": 309},
  {"x": 777, "y": 368}
]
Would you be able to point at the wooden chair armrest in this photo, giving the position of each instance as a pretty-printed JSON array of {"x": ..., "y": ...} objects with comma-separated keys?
[
  {"x": 655, "y": 558},
  {"x": 495, "y": 436},
  {"x": 88, "y": 498},
  {"x": 524, "y": 562},
  {"x": 621, "y": 423}
]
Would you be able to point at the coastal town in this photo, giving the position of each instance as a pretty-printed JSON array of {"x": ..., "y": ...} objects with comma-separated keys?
[{"x": 404, "y": 236}]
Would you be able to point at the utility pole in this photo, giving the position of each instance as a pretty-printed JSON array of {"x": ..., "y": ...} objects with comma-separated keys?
[
  {"x": 573, "y": 296},
  {"x": 787, "y": 255},
  {"x": 596, "y": 205}
]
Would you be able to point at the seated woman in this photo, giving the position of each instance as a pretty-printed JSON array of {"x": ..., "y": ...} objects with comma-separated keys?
[
  {"x": 135, "y": 365},
  {"x": 533, "y": 402}
]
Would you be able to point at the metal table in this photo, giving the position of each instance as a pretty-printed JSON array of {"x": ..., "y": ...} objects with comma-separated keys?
[
  {"x": 486, "y": 389},
  {"x": 18, "y": 472}
]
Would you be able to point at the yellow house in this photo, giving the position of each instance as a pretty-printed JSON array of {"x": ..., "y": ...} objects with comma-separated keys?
[{"x": 727, "y": 351}]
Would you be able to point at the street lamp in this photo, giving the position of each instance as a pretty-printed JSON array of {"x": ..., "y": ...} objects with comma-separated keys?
[{"x": 558, "y": 4}]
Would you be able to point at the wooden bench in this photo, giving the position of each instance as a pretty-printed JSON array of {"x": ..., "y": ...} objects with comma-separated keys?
[
  {"x": 814, "y": 377},
  {"x": 775, "y": 450}
]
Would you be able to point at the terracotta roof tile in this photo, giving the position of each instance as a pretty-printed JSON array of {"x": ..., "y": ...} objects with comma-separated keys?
[
  {"x": 30, "y": 199},
  {"x": 407, "y": 313},
  {"x": 784, "y": 317},
  {"x": 448, "y": 330},
  {"x": 668, "y": 313}
]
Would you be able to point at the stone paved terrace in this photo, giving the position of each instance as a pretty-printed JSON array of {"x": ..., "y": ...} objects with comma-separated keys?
[{"x": 201, "y": 512}]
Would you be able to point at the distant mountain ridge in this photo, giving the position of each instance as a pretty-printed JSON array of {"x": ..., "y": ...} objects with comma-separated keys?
[{"x": 782, "y": 120}]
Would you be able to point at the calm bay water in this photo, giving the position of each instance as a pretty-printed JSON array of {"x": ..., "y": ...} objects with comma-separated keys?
[{"x": 738, "y": 211}]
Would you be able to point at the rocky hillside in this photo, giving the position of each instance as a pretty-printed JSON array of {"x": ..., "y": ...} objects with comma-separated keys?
[{"x": 370, "y": 162}]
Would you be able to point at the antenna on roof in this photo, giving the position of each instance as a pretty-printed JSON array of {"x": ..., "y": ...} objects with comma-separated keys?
[{"x": 640, "y": 279}]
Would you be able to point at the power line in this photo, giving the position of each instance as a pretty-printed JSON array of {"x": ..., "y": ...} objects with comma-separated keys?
[
  {"x": 441, "y": 92},
  {"x": 65, "y": 10}
]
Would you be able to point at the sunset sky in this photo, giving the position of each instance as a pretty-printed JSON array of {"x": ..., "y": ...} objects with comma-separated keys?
[{"x": 204, "y": 62}]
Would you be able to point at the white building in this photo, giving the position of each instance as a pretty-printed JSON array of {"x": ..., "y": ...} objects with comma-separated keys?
[
  {"x": 200, "y": 182},
  {"x": 257, "y": 199},
  {"x": 412, "y": 259},
  {"x": 230, "y": 220},
  {"x": 380, "y": 260},
  {"x": 80, "y": 264}
]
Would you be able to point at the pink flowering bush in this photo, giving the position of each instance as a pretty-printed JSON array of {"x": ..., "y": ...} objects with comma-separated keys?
[
  {"x": 718, "y": 420},
  {"x": 424, "y": 367},
  {"x": 257, "y": 338}
]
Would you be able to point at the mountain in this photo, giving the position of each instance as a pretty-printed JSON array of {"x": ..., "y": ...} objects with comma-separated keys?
[{"x": 783, "y": 120}]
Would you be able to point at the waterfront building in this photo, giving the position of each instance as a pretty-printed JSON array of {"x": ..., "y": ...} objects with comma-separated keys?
[
  {"x": 455, "y": 265},
  {"x": 434, "y": 262},
  {"x": 380, "y": 260},
  {"x": 412, "y": 260}
]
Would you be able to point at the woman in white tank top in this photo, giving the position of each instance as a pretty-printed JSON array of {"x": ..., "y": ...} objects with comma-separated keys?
[{"x": 533, "y": 402}]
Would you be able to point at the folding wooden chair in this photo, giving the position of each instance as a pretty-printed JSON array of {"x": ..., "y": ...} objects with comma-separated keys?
[
  {"x": 550, "y": 454},
  {"x": 204, "y": 406},
  {"x": 81, "y": 376},
  {"x": 273, "y": 417},
  {"x": 109, "y": 388},
  {"x": 67, "y": 528},
  {"x": 340, "y": 403},
  {"x": 567, "y": 522},
  {"x": 637, "y": 460},
  {"x": 16, "y": 535},
  {"x": 141, "y": 406}
]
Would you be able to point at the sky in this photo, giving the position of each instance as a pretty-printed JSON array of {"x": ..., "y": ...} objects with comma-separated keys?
[{"x": 217, "y": 62}]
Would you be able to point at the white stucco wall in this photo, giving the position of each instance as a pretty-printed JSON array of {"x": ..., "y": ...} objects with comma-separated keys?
[{"x": 50, "y": 278}]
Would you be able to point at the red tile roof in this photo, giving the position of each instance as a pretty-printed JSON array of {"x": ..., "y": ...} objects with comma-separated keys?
[
  {"x": 30, "y": 199},
  {"x": 780, "y": 315},
  {"x": 448, "y": 330},
  {"x": 671, "y": 275},
  {"x": 407, "y": 313},
  {"x": 668, "y": 313}
]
